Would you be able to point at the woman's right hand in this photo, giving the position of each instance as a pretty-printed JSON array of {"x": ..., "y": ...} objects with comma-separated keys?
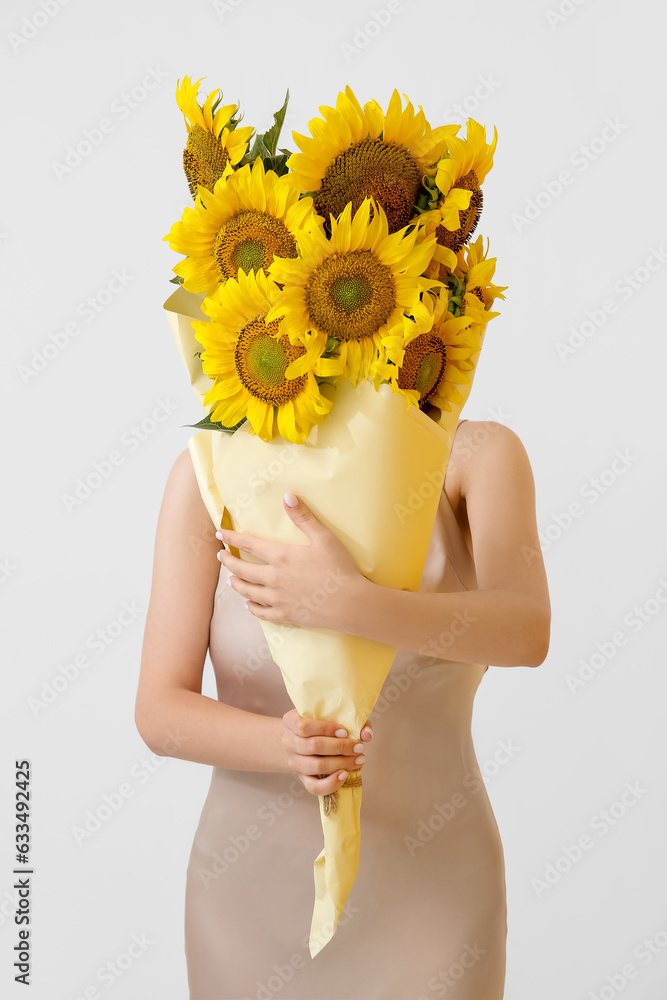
[{"x": 313, "y": 748}]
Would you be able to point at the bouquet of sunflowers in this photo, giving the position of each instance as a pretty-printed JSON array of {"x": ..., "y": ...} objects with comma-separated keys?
[{"x": 331, "y": 314}]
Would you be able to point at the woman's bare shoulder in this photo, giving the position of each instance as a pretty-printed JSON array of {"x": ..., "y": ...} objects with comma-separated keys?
[
  {"x": 479, "y": 446},
  {"x": 183, "y": 508}
]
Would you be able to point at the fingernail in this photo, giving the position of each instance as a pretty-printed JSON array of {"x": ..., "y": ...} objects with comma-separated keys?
[
  {"x": 218, "y": 534},
  {"x": 342, "y": 776},
  {"x": 218, "y": 555},
  {"x": 341, "y": 732},
  {"x": 245, "y": 605},
  {"x": 358, "y": 747},
  {"x": 367, "y": 730},
  {"x": 290, "y": 500},
  {"x": 360, "y": 759}
]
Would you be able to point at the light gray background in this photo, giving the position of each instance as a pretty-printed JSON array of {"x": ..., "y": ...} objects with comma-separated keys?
[{"x": 552, "y": 82}]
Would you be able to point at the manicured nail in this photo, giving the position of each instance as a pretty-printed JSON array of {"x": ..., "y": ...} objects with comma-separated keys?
[
  {"x": 218, "y": 534},
  {"x": 342, "y": 776},
  {"x": 360, "y": 759},
  {"x": 245, "y": 605},
  {"x": 290, "y": 500},
  {"x": 218, "y": 555},
  {"x": 366, "y": 729},
  {"x": 358, "y": 747},
  {"x": 341, "y": 732}
]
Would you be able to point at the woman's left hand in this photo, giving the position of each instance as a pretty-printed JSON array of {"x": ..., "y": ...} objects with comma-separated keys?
[{"x": 296, "y": 584}]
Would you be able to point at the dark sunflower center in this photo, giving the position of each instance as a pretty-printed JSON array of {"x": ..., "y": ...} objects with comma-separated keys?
[
  {"x": 371, "y": 168},
  {"x": 351, "y": 292},
  {"x": 479, "y": 293},
  {"x": 350, "y": 295},
  {"x": 261, "y": 358},
  {"x": 204, "y": 159},
  {"x": 423, "y": 365},
  {"x": 248, "y": 241},
  {"x": 468, "y": 218},
  {"x": 248, "y": 255}
]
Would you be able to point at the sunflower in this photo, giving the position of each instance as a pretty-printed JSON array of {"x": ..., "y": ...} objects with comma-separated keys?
[
  {"x": 353, "y": 287},
  {"x": 431, "y": 356},
  {"x": 248, "y": 359},
  {"x": 472, "y": 292},
  {"x": 358, "y": 152},
  {"x": 248, "y": 218},
  {"x": 215, "y": 145},
  {"x": 458, "y": 181}
]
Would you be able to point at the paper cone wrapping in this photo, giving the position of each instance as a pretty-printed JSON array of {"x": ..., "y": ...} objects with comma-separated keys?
[{"x": 373, "y": 476}]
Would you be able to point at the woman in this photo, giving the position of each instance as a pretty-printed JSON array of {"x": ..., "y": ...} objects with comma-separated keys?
[{"x": 427, "y": 913}]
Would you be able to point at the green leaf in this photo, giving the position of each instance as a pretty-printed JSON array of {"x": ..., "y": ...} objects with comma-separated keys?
[
  {"x": 177, "y": 280},
  {"x": 271, "y": 137},
  {"x": 266, "y": 144},
  {"x": 206, "y": 424},
  {"x": 277, "y": 163}
]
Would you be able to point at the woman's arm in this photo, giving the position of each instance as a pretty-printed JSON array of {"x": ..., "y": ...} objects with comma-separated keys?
[
  {"x": 506, "y": 621},
  {"x": 172, "y": 716}
]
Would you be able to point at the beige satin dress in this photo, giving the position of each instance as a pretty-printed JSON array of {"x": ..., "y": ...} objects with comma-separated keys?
[{"x": 427, "y": 913}]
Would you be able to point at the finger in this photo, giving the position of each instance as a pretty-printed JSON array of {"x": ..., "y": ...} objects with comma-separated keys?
[
  {"x": 303, "y": 517},
  {"x": 253, "y": 591},
  {"x": 367, "y": 732},
  {"x": 260, "y": 547},
  {"x": 323, "y": 786},
  {"x": 327, "y": 746},
  {"x": 268, "y": 614},
  {"x": 328, "y": 765},
  {"x": 251, "y": 571},
  {"x": 302, "y": 725}
]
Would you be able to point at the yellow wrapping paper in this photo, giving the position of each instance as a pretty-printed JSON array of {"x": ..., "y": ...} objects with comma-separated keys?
[{"x": 373, "y": 476}]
